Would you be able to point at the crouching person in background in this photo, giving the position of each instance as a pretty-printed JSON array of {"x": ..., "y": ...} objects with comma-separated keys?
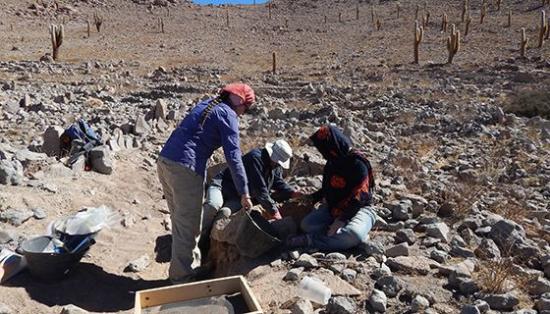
[
  {"x": 345, "y": 218},
  {"x": 264, "y": 170}
]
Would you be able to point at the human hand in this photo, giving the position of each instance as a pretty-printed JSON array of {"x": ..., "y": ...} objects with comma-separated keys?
[
  {"x": 275, "y": 216},
  {"x": 335, "y": 226},
  {"x": 246, "y": 202}
]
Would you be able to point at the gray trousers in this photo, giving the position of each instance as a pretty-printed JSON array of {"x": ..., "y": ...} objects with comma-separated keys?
[{"x": 184, "y": 193}]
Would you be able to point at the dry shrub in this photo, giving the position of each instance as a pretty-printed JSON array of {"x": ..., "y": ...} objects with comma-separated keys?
[
  {"x": 495, "y": 276},
  {"x": 530, "y": 103},
  {"x": 512, "y": 210}
]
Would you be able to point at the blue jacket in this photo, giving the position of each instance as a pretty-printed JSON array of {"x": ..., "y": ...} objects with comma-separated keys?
[
  {"x": 192, "y": 144},
  {"x": 262, "y": 179}
]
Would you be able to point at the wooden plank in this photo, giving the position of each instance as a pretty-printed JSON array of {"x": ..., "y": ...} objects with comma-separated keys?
[
  {"x": 184, "y": 292},
  {"x": 251, "y": 302}
]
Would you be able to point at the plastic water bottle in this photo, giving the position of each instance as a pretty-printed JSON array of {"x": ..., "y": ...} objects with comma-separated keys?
[{"x": 314, "y": 290}]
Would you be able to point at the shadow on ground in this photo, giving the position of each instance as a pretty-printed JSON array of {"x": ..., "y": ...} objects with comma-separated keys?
[{"x": 88, "y": 287}]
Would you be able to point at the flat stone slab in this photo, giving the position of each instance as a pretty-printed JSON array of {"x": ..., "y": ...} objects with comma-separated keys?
[{"x": 412, "y": 264}]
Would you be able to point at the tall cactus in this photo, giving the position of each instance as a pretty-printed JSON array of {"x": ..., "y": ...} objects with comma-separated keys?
[
  {"x": 467, "y": 25},
  {"x": 465, "y": 9},
  {"x": 509, "y": 17},
  {"x": 483, "y": 12},
  {"x": 453, "y": 43},
  {"x": 444, "y": 22},
  {"x": 98, "y": 21},
  {"x": 57, "y": 33},
  {"x": 543, "y": 28},
  {"x": 524, "y": 42},
  {"x": 418, "y": 36}
]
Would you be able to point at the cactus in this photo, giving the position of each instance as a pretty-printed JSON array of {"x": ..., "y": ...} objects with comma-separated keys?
[
  {"x": 465, "y": 6},
  {"x": 416, "y": 12},
  {"x": 378, "y": 24},
  {"x": 227, "y": 17},
  {"x": 453, "y": 43},
  {"x": 483, "y": 12},
  {"x": 98, "y": 21},
  {"x": 269, "y": 9},
  {"x": 418, "y": 35},
  {"x": 509, "y": 17},
  {"x": 524, "y": 42},
  {"x": 467, "y": 26},
  {"x": 88, "y": 28},
  {"x": 161, "y": 24},
  {"x": 444, "y": 22},
  {"x": 373, "y": 15},
  {"x": 543, "y": 28},
  {"x": 426, "y": 19},
  {"x": 57, "y": 33},
  {"x": 357, "y": 12},
  {"x": 340, "y": 17},
  {"x": 547, "y": 29},
  {"x": 325, "y": 19},
  {"x": 499, "y": 2}
]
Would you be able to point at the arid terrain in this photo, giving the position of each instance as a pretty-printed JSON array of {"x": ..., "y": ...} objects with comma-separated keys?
[{"x": 461, "y": 151}]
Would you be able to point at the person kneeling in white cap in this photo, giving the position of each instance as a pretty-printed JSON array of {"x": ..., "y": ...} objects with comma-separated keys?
[{"x": 264, "y": 168}]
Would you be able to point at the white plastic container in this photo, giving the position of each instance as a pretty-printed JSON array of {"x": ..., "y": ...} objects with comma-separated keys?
[{"x": 314, "y": 290}]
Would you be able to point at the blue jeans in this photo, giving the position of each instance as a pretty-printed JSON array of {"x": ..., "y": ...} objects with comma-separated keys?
[
  {"x": 214, "y": 202},
  {"x": 316, "y": 225}
]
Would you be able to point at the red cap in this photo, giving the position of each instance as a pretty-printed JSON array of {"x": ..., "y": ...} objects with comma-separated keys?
[{"x": 242, "y": 90}]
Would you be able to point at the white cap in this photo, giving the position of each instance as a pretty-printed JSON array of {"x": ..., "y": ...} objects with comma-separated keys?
[{"x": 280, "y": 152}]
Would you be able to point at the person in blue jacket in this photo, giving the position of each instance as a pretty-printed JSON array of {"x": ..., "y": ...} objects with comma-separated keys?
[{"x": 181, "y": 170}]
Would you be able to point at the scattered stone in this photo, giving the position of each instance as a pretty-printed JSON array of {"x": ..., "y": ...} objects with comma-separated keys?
[
  {"x": 307, "y": 261},
  {"x": 294, "y": 274},
  {"x": 400, "y": 209},
  {"x": 52, "y": 141},
  {"x": 301, "y": 306},
  {"x": 372, "y": 247},
  {"x": 390, "y": 285},
  {"x": 438, "y": 230},
  {"x": 411, "y": 264},
  {"x": 539, "y": 286},
  {"x": 487, "y": 249},
  {"x": 405, "y": 235},
  {"x": 335, "y": 256},
  {"x": 141, "y": 127},
  {"x": 11, "y": 172},
  {"x": 378, "y": 300},
  {"x": 543, "y": 304},
  {"x": 16, "y": 217},
  {"x": 39, "y": 213},
  {"x": 401, "y": 249},
  {"x": 139, "y": 264},
  {"x": 341, "y": 305},
  {"x": 160, "y": 109},
  {"x": 101, "y": 160},
  {"x": 419, "y": 304},
  {"x": 469, "y": 309},
  {"x": 349, "y": 275},
  {"x": 439, "y": 256},
  {"x": 72, "y": 309},
  {"x": 294, "y": 255},
  {"x": 501, "y": 302},
  {"x": 482, "y": 305}
]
